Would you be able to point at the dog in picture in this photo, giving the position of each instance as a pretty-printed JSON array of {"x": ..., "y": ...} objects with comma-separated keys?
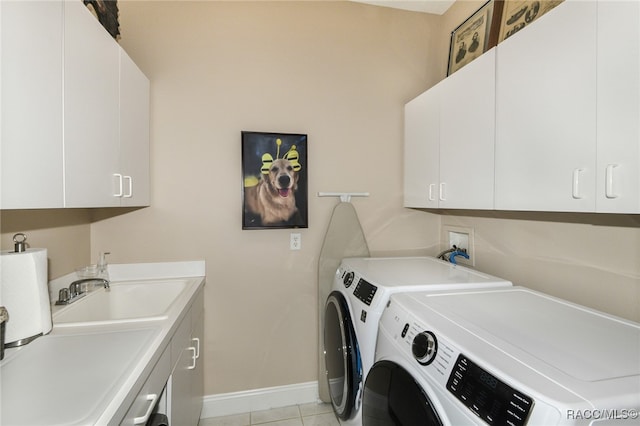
[{"x": 273, "y": 199}]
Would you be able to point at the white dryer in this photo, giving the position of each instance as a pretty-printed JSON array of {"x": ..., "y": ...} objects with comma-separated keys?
[
  {"x": 360, "y": 292},
  {"x": 501, "y": 357}
]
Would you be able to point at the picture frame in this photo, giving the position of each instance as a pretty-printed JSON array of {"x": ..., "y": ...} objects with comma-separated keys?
[
  {"x": 274, "y": 180},
  {"x": 517, "y": 14},
  {"x": 106, "y": 12},
  {"x": 477, "y": 34}
]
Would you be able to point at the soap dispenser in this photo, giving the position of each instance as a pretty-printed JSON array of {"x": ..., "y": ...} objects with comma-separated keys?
[{"x": 103, "y": 271}]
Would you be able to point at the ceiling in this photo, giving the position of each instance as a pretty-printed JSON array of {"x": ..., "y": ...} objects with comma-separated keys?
[{"x": 437, "y": 7}]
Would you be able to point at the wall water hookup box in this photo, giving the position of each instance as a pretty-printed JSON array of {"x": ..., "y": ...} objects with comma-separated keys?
[{"x": 462, "y": 238}]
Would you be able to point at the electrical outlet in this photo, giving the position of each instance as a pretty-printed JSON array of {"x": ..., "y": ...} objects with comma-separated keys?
[
  {"x": 295, "y": 241},
  {"x": 462, "y": 238}
]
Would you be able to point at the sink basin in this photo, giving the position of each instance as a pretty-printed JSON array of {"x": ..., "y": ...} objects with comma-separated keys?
[
  {"x": 81, "y": 370},
  {"x": 123, "y": 302}
]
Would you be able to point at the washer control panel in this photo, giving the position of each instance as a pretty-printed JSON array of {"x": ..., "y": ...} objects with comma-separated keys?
[
  {"x": 364, "y": 290},
  {"x": 492, "y": 400}
]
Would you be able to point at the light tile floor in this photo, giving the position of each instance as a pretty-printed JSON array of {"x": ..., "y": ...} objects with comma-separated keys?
[{"x": 296, "y": 415}]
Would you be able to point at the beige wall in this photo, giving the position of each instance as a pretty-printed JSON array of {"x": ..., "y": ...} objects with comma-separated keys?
[
  {"x": 64, "y": 233},
  {"x": 337, "y": 71},
  {"x": 341, "y": 73},
  {"x": 593, "y": 260}
]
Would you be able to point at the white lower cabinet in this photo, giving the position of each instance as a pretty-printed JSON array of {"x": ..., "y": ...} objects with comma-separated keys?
[
  {"x": 151, "y": 394},
  {"x": 186, "y": 387},
  {"x": 175, "y": 386}
]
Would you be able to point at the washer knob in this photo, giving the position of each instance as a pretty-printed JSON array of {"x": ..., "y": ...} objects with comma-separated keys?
[
  {"x": 348, "y": 279},
  {"x": 424, "y": 347}
]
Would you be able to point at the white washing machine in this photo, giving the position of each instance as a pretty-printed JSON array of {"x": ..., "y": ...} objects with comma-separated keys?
[
  {"x": 508, "y": 356},
  {"x": 360, "y": 292}
]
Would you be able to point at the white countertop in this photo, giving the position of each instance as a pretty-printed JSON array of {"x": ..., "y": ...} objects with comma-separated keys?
[{"x": 86, "y": 375}]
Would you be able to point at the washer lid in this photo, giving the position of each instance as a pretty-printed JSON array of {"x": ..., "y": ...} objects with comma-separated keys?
[
  {"x": 396, "y": 272},
  {"x": 581, "y": 342}
]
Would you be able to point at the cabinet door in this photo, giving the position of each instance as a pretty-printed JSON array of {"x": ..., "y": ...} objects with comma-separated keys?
[
  {"x": 91, "y": 118},
  {"x": 31, "y": 168},
  {"x": 467, "y": 136},
  {"x": 150, "y": 394},
  {"x": 134, "y": 133},
  {"x": 181, "y": 385},
  {"x": 197, "y": 374},
  {"x": 618, "y": 175},
  {"x": 546, "y": 113},
  {"x": 421, "y": 150}
]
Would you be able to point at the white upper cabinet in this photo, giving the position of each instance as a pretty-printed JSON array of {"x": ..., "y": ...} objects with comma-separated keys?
[
  {"x": 618, "y": 159},
  {"x": 467, "y": 134},
  {"x": 449, "y": 139},
  {"x": 75, "y": 114},
  {"x": 91, "y": 103},
  {"x": 31, "y": 145},
  {"x": 422, "y": 150},
  {"x": 133, "y": 176},
  {"x": 546, "y": 113}
]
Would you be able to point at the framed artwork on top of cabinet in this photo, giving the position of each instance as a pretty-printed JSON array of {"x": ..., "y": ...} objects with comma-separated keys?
[
  {"x": 106, "y": 11},
  {"x": 477, "y": 34},
  {"x": 517, "y": 14},
  {"x": 274, "y": 180}
]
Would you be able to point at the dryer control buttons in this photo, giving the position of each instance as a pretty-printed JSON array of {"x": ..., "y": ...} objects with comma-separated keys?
[
  {"x": 348, "y": 279},
  {"x": 424, "y": 347},
  {"x": 405, "y": 330}
]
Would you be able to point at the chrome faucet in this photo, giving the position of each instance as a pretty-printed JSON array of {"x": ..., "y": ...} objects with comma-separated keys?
[
  {"x": 74, "y": 292},
  {"x": 76, "y": 284}
]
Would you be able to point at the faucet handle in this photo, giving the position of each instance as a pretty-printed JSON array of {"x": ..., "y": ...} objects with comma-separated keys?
[
  {"x": 75, "y": 288},
  {"x": 63, "y": 296}
]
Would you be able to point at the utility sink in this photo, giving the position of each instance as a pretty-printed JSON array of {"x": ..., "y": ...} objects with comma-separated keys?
[{"x": 123, "y": 302}]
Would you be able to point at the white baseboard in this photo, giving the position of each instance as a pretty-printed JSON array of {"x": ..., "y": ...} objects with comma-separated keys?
[{"x": 227, "y": 404}]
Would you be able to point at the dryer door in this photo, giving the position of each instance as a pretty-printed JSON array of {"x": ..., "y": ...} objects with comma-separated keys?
[
  {"x": 342, "y": 357},
  {"x": 393, "y": 397}
]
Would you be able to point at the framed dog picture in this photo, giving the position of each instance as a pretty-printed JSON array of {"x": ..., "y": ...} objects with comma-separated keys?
[{"x": 274, "y": 180}]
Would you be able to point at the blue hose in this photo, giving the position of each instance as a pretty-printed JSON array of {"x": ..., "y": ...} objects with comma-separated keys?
[{"x": 452, "y": 256}]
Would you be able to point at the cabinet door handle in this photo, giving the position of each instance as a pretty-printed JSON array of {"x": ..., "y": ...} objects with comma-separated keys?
[
  {"x": 152, "y": 398},
  {"x": 442, "y": 194},
  {"x": 193, "y": 358},
  {"x": 575, "y": 192},
  {"x": 130, "y": 185},
  {"x": 197, "y": 340},
  {"x": 119, "y": 177},
  {"x": 608, "y": 191},
  {"x": 432, "y": 187}
]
